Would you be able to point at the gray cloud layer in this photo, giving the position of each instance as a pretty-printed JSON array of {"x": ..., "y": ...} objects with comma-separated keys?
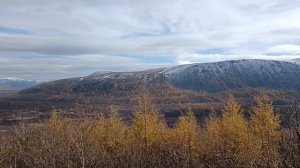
[{"x": 46, "y": 40}]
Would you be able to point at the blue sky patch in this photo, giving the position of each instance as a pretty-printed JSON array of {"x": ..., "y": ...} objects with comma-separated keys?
[
  {"x": 158, "y": 60},
  {"x": 212, "y": 51},
  {"x": 8, "y": 30}
]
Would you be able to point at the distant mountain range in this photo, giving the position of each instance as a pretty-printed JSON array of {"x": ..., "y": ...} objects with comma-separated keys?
[
  {"x": 210, "y": 77},
  {"x": 204, "y": 83},
  {"x": 16, "y": 83}
]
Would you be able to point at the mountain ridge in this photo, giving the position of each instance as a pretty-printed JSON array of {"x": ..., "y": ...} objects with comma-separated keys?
[
  {"x": 203, "y": 83},
  {"x": 210, "y": 77},
  {"x": 17, "y": 83}
]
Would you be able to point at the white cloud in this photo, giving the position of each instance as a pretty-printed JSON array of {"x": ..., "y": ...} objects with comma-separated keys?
[
  {"x": 123, "y": 34},
  {"x": 285, "y": 48}
]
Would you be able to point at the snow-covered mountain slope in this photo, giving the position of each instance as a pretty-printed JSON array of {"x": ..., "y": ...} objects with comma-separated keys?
[
  {"x": 236, "y": 74},
  {"x": 211, "y": 77},
  {"x": 16, "y": 83},
  {"x": 297, "y": 60}
]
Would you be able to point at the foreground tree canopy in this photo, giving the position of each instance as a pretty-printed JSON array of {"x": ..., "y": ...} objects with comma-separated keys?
[{"x": 228, "y": 140}]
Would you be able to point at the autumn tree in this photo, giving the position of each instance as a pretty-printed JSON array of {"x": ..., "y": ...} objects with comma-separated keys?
[
  {"x": 146, "y": 124},
  {"x": 265, "y": 127},
  {"x": 187, "y": 134},
  {"x": 290, "y": 136},
  {"x": 146, "y": 132},
  {"x": 230, "y": 137},
  {"x": 56, "y": 138},
  {"x": 81, "y": 136},
  {"x": 110, "y": 137},
  {"x": 211, "y": 143}
]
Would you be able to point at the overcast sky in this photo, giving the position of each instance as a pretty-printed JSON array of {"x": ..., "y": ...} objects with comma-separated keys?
[{"x": 52, "y": 39}]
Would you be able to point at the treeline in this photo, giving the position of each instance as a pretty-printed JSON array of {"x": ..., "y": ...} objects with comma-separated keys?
[{"x": 226, "y": 141}]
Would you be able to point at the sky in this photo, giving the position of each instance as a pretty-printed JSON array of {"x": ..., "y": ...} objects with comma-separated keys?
[{"x": 48, "y": 40}]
